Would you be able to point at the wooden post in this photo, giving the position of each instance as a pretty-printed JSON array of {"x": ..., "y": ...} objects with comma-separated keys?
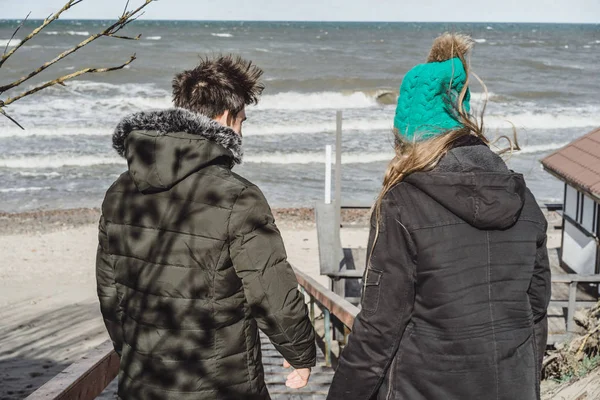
[
  {"x": 328, "y": 174},
  {"x": 571, "y": 309},
  {"x": 338, "y": 285},
  {"x": 327, "y": 335}
]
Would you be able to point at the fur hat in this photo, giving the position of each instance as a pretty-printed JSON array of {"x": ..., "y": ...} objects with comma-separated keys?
[{"x": 429, "y": 92}]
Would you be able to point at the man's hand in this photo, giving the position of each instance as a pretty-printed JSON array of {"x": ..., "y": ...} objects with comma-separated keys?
[{"x": 298, "y": 378}]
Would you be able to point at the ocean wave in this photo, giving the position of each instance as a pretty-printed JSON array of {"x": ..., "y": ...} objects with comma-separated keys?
[
  {"x": 70, "y": 33},
  {"x": 548, "y": 65},
  {"x": 541, "y": 148},
  {"x": 25, "y": 189},
  {"x": 322, "y": 127},
  {"x": 316, "y": 158},
  {"x": 154, "y": 38},
  {"x": 36, "y": 174},
  {"x": 13, "y": 42},
  {"x": 480, "y": 40},
  {"x": 13, "y": 131},
  {"x": 43, "y": 162},
  {"x": 316, "y": 101},
  {"x": 95, "y": 88},
  {"x": 222, "y": 35},
  {"x": 578, "y": 117}
]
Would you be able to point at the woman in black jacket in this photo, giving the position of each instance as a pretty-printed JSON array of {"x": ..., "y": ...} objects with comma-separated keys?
[{"x": 457, "y": 281}]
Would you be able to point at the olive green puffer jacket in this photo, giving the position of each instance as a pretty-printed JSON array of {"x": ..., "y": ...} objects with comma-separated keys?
[{"x": 190, "y": 265}]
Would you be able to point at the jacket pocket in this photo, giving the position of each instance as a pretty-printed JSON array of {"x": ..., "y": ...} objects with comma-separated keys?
[{"x": 371, "y": 289}]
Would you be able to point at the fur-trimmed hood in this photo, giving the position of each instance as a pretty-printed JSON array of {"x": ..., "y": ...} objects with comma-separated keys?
[
  {"x": 166, "y": 146},
  {"x": 177, "y": 120}
]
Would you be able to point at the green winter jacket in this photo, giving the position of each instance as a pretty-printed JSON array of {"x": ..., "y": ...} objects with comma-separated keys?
[{"x": 190, "y": 265}]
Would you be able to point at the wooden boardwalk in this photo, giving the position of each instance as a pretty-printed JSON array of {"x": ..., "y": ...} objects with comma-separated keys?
[{"x": 275, "y": 375}]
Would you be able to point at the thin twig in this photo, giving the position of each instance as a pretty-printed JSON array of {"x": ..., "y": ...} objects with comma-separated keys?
[
  {"x": 37, "y": 30},
  {"x": 62, "y": 79},
  {"x": 15, "y": 32},
  {"x": 11, "y": 118},
  {"x": 125, "y": 9},
  {"x": 110, "y": 31}
]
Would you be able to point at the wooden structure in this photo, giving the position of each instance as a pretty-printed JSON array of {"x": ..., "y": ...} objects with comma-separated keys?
[
  {"x": 87, "y": 378},
  {"x": 578, "y": 166}
]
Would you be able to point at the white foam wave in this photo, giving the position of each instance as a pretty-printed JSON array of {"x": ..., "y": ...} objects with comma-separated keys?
[
  {"x": 480, "y": 40},
  {"x": 71, "y": 33},
  {"x": 11, "y": 131},
  {"x": 223, "y": 35},
  {"x": 313, "y": 128},
  {"x": 154, "y": 38},
  {"x": 316, "y": 101},
  {"x": 130, "y": 89},
  {"x": 52, "y": 174},
  {"x": 13, "y": 43},
  {"x": 316, "y": 158},
  {"x": 24, "y": 189},
  {"x": 551, "y": 119},
  {"x": 40, "y": 162},
  {"x": 262, "y": 50},
  {"x": 481, "y": 96},
  {"x": 541, "y": 148}
]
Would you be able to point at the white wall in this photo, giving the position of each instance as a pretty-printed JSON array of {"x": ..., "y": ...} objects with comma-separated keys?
[
  {"x": 588, "y": 213},
  {"x": 570, "y": 207},
  {"x": 579, "y": 250}
]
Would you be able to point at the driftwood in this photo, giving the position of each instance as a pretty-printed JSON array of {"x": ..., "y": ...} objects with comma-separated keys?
[
  {"x": 581, "y": 353},
  {"x": 126, "y": 18}
]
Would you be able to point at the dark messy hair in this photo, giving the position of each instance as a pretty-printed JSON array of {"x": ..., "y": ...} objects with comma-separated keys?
[{"x": 216, "y": 85}]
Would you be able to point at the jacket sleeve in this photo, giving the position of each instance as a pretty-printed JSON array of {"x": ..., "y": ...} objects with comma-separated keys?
[
  {"x": 539, "y": 296},
  {"x": 386, "y": 307},
  {"x": 107, "y": 291},
  {"x": 270, "y": 285}
]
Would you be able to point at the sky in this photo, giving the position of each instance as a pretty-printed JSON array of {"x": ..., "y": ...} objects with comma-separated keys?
[{"x": 565, "y": 11}]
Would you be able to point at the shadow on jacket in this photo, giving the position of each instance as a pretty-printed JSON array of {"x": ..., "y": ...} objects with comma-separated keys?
[
  {"x": 190, "y": 265},
  {"x": 456, "y": 287}
]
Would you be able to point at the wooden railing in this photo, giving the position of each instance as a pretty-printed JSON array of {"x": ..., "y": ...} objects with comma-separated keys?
[
  {"x": 573, "y": 280},
  {"x": 88, "y": 377},
  {"x": 84, "y": 379},
  {"x": 332, "y": 305}
]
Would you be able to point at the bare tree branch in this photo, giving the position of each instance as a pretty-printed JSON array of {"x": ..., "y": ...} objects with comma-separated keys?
[
  {"x": 110, "y": 31},
  {"x": 125, "y": 9},
  {"x": 11, "y": 118},
  {"x": 62, "y": 79},
  {"x": 15, "y": 32},
  {"x": 37, "y": 30}
]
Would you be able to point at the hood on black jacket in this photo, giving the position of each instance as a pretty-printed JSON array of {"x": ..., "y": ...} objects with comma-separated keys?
[
  {"x": 164, "y": 147},
  {"x": 474, "y": 183}
]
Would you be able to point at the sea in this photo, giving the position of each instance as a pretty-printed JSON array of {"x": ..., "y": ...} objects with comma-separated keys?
[{"x": 543, "y": 81}]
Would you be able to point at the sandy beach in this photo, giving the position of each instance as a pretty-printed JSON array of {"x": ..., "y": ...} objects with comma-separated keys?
[{"x": 49, "y": 311}]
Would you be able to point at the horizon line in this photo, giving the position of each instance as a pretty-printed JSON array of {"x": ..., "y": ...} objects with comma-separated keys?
[{"x": 315, "y": 21}]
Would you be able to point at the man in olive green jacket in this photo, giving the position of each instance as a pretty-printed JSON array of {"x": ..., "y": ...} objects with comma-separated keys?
[{"x": 190, "y": 263}]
